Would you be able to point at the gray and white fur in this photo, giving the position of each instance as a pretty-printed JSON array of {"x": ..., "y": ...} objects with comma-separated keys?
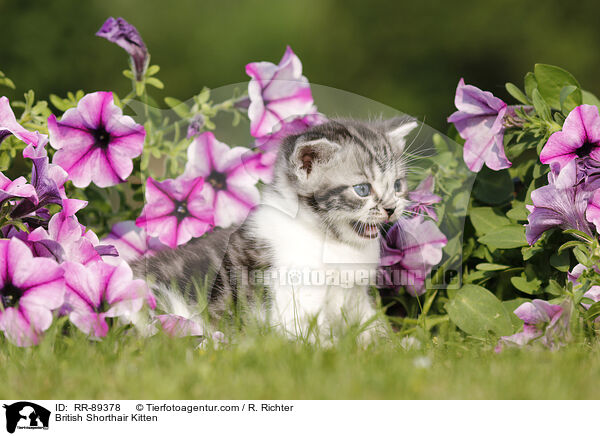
[{"x": 334, "y": 186}]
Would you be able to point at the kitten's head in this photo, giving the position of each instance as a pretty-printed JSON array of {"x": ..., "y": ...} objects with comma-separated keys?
[{"x": 351, "y": 175}]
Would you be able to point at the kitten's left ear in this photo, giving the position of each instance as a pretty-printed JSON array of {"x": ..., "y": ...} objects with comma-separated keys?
[{"x": 397, "y": 128}]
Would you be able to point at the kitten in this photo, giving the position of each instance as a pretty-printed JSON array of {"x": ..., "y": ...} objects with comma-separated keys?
[{"x": 315, "y": 236}]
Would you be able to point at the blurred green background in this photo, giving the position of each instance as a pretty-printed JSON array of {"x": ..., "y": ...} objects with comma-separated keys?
[{"x": 406, "y": 54}]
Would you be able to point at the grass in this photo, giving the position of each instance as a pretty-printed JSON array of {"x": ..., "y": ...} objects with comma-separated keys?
[{"x": 265, "y": 366}]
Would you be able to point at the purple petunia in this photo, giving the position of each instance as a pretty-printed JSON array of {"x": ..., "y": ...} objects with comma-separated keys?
[
  {"x": 480, "y": 122},
  {"x": 579, "y": 138},
  {"x": 423, "y": 198},
  {"x": 95, "y": 141},
  {"x": 592, "y": 212},
  {"x": 176, "y": 210},
  {"x": 131, "y": 241},
  {"x": 10, "y": 126},
  {"x": 545, "y": 323},
  {"x": 411, "y": 248},
  {"x": 101, "y": 291},
  {"x": 230, "y": 176},
  {"x": 278, "y": 93},
  {"x": 18, "y": 188},
  {"x": 562, "y": 203},
  {"x": 128, "y": 38},
  {"x": 30, "y": 288}
]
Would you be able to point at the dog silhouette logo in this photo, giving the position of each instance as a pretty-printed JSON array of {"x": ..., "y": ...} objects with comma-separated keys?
[{"x": 26, "y": 415}]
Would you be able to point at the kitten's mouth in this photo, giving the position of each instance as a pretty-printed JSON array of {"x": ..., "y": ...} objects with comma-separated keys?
[{"x": 365, "y": 230}]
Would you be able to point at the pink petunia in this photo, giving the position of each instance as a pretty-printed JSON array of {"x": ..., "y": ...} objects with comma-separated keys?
[
  {"x": 10, "y": 126},
  {"x": 30, "y": 288},
  {"x": 423, "y": 198},
  {"x": 176, "y": 210},
  {"x": 480, "y": 122},
  {"x": 96, "y": 142},
  {"x": 230, "y": 176},
  {"x": 579, "y": 138},
  {"x": 18, "y": 188},
  {"x": 592, "y": 212},
  {"x": 99, "y": 291},
  {"x": 131, "y": 241},
  {"x": 278, "y": 93},
  {"x": 178, "y": 326},
  {"x": 411, "y": 248}
]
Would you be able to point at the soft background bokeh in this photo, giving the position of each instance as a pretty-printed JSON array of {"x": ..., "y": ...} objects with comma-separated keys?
[{"x": 406, "y": 54}]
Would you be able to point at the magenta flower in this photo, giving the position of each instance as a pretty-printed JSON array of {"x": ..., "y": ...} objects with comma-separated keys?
[
  {"x": 128, "y": 38},
  {"x": 480, "y": 122},
  {"x": 10, "y": 126},
  {"x": 278, "y": 93},
  {"x": 178, "y": 326},
  {"x": 131, "y": 241},
  {"x": 230, "y": 175},
  {"x": 545, "y": 323},
  {"x": 101, "y": 291},
  {"x": 95, "y": 141},
  {"x": 562, "y": 203},
  {"x": 176, "y": 210},
  {"x": 18, "y": 188},
  {"x": 30, "y": 288},
  {"x": 411, "y": 248},
  {"x": 423, "y": 197},
  {"x": 580, "y": 137},
  {"x": 592, "y": 212}
]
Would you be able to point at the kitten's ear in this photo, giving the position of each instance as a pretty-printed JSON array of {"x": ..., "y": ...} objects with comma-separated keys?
[
  {"x": 310, "y": 155},
  {"x": 397, "y": 128}
]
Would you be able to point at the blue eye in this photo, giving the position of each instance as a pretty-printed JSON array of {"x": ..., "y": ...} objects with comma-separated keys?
[
  {"x": 398, "y": 185},
  {"x": 362, "y": 190}
]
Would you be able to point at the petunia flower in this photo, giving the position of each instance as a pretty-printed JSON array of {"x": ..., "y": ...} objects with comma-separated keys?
[
  {"x": 545, "y": 323},
  {"x": 411, "y": 248},
  {"x": 131, "y": 241},
  {"x": 562, "y": 203},
  {"x": 178, "y": 326},
  {"x": 99, "y": 291},
  {"x": 423, "y": 197},
  {"x": 176, "y": 210},
  {"x": 277, "y": 93},
  {"x": 10, "y": 126},
  {"x": 127, "y": 37},
  {"x": 579, "y": 137},
  {"x": 230, "y": 176},
  {"x": 18, "y": 188},
  {"x": 95, "y": 141},
  {"x": 480, "y": 122},
  {"x": 30, "y": 288},
  {"x": 592, "y": 213}
]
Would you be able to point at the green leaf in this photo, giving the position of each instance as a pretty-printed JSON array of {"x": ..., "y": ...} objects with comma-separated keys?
[
  {"x": 561, "y": 261},
  {"x": 550, "y": 82},
  {"x": 566, "y": 105},
  {"x": 486, "y": 219},
  {"x": 491, "y": 267},
  {"x": 477, "y": 311},
  {"x": 153, "y": 81},
  {"x": 589, "y": 98},
  {"x": 530, "y": 83},
  {"x": 510, "y": 236},
  {"x": 593, "y": 312},
  {"x": 4, "y": 161},
  {"x": 580, "y": 234},
  {"x": 152, "y": 70},
  {"x": 517, "y": 93},
  {"x": 493, "y": 187},
  {"x": 554, "y": 288},
  {"x": 511, "y": 306},
  {"x": 5, "y": 81},
  {"x": 541, "y": 107},
  {"x": 531, "y": 287},
  {"x": 180, "y": 108},
  {"x": 570, "y": 244},
  {"x": 518, "y": 212}
]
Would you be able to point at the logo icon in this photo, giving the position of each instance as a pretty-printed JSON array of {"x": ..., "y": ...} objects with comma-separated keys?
[{"x": 26, "y": 415}]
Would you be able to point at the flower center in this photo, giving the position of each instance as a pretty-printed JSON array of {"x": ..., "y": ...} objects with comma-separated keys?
[
  {"x": 180, "y": 210},
  {"x": 104, "y": 306},
  {"x": 585, "y": 149},
  {"x": 10, "y": 295},
  {"x": 218, "y": 180},
  {"x": 102, "y": 137}
]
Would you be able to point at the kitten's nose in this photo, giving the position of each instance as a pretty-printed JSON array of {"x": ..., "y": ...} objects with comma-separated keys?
[{"x": 390, "y": 212}]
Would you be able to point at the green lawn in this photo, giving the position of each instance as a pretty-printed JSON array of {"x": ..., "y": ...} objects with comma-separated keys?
[{"x": 265, "y": 366}]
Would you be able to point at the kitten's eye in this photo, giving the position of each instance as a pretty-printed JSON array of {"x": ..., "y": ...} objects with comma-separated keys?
[
  {"x": 398, "y": 185},
  {"x": 362, "y": 190}
]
